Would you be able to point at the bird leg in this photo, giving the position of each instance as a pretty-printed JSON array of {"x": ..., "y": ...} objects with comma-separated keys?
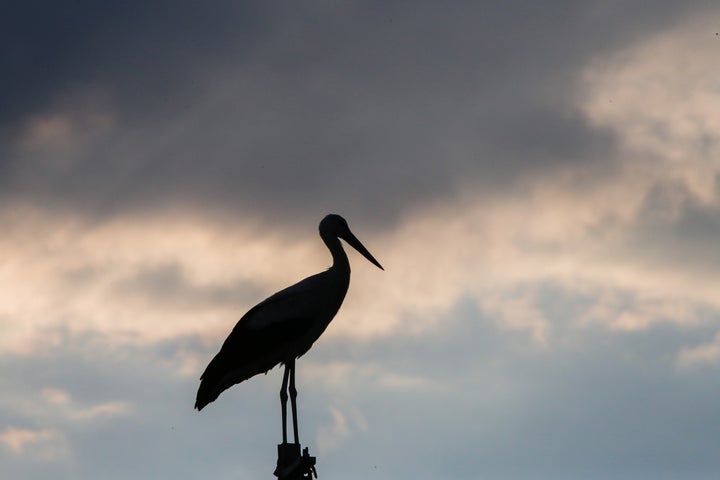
[
  {"x": 293, "y": 404},
  {"x": 283, "y": 401}
]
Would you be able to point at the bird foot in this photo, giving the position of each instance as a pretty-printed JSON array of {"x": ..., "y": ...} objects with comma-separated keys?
[{"x": 293, "y": 466}]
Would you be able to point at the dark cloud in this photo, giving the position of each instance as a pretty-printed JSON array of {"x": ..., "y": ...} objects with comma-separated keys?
[
  {"x": 139, "y": 52},
  {"x": 295, "y": 110},
  {"x": 168, "y": 284},
  {"x": 676, "y": 229}
]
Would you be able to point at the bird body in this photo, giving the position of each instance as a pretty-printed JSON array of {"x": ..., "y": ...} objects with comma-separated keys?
[{"x": 284, "y": 326}]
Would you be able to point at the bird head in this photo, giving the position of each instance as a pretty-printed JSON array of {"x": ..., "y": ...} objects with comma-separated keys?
[{"x": 334, "y": 225}]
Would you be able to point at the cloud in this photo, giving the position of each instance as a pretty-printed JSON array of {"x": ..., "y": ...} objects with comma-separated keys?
[
  {"x": 72, "y": 411},
  {"x": 125, "y": 402},
  {"x": 292, "y": 111},
  {"x": 56, "y": 396},
  {"x": 705, "y": 354},
  {"x": 655, "y": 109},
  {"x": 85, "y": 269},
  {"x": 345, "y": 424},
  {"x": 151, "y": 277},
  {"x": 485, "y": 391},
  {"x": 44, "y": 445},
  {"x": 104, "y": 410},
  {"x": 598, "y": 401},
  {"x": 329, "y": 436}
]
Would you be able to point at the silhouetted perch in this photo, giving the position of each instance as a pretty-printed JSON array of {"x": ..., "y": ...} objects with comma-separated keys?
[{"x": 293, "y": 466}]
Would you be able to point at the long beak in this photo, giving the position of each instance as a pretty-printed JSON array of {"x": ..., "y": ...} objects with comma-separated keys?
[{"x": 355, "y": 243}]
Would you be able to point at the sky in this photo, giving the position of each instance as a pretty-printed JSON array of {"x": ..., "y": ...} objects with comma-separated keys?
[{"x": 540, "y": 180}]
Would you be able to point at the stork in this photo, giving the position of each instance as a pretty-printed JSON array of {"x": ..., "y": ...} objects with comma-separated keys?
[{"x": 283, "y": 327}]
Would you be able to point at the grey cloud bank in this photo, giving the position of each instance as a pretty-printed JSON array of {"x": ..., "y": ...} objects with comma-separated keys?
[
  {"x": 488, "y": 403},
  {"x": 252, "y": 109}
]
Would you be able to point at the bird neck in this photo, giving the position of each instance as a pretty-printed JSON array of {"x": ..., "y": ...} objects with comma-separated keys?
[{"x": 340, "y": 259}]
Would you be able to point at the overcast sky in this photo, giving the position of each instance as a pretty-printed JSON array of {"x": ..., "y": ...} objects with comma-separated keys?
[{"x": 541, "y": 181}]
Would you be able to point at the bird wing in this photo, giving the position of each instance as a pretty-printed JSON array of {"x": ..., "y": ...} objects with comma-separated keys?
[
  {"x": 299, "y": 300},
  {"x": 260, "y": 340}
]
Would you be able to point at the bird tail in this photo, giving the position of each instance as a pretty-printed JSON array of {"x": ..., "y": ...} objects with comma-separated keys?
[
  {"x": 226, "y": 370},
  {"x": 207, "y": 393},
  {"x": 218, "y": 377},
  {"x": 211, "y": 382}
]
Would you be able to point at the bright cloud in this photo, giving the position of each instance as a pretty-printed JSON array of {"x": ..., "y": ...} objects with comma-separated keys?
[
  {"x": 707, "y": 354},
  {"x": 664, "y": 105},
  {"x": 344, "y": 424},
  {"x": 42, "y": 444}
]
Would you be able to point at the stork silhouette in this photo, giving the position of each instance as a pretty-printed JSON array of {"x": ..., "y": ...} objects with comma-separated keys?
[{"x": 284, "y": 326}]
